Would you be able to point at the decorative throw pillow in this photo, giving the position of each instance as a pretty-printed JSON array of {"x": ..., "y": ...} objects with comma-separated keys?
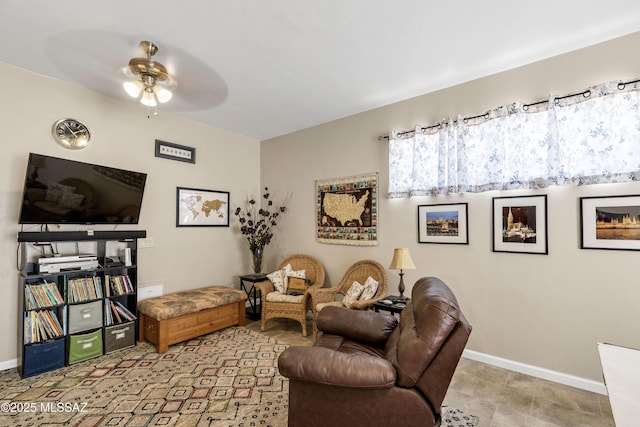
[
  {"x": 370, "y": 289},
  {"x": 353, "y": 294},
  {"x": 291, "y": 278},
  {"x": 297, "y": 286},
  {"x": 279, "y": 278}
]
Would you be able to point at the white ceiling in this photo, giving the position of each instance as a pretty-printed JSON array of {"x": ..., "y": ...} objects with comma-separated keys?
[{"x": 264, "y": 68}]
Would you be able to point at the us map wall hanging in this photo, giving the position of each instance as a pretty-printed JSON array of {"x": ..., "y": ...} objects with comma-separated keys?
[{"x": 347, "y": 210}]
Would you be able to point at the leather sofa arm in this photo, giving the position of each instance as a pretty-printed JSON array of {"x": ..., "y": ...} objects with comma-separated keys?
[
  {"x": 366, "y": 327},
  {"x": 325, "y": 366}
]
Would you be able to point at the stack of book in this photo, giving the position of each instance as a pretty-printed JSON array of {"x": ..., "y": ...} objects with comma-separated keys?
[
  {"x": 40, "y": 295},
  {"x": 85, "y": 289},
  {"x": 119, "y": 285},
  {"x": 116, "y": 312},
  {"x": 41, "y": 325}
]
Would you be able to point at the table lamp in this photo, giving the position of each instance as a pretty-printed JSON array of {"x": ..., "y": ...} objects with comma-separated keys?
[{"x": 401, "y": 261}]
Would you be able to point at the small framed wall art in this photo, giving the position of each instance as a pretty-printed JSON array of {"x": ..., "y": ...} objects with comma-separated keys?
[
  {"x": 171, "y": 151},
  {"x": 443, "y": 223},
  {"x": 202, "y": 208},
  {"x": 611, "y": 222},
  {"x": 520, "y": 224}
]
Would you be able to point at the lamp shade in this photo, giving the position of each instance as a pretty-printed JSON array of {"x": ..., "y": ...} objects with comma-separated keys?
[
  {"x": 163, "y": 94},
  {"x": 401, "y": 260},
  {"x": 148, "y": 99},
  {"x": 133, "y": 88}
]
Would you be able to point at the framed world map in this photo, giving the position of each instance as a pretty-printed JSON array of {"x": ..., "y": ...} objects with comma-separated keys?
[
  {"x": 347, "y": 210},
  {"x": 204, "y": 208}
]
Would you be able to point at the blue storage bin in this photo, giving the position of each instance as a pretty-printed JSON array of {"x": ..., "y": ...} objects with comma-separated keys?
[{"x": 43, "y": 357}]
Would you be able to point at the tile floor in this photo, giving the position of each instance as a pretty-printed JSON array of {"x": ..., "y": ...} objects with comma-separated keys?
[{"x": 501, "y": 398}]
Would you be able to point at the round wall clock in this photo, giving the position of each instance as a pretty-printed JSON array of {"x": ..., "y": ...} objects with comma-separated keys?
[{"x": 71, "y": 133}]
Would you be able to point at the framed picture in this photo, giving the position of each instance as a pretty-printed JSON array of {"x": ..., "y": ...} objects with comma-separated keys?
[
  {"x": 444, "y": 223},
  {"x": 202, "y": 208},
  {"x": 610, "y": 222},
  {"x": 347, "y": 210},
  {"x": 520, "y": 224},
  {"x": 169, "y": 150}
]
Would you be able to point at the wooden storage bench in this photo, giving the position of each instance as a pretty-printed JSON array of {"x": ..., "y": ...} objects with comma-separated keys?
[{"x": 177, "y": 317}]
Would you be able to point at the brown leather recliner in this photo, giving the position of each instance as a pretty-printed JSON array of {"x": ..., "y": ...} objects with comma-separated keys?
[{"x": 369, "y": 369}]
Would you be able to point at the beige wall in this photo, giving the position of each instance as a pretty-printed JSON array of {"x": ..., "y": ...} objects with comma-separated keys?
[
  {"x": 543, "y": 311},
  {"x": 123, "y": 137}
]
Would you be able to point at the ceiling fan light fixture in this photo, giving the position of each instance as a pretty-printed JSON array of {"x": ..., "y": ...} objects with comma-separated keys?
[
  {"x": 151, "y": 78},
  {"x": 163, "y": 94},
  {"x": 148, "y": 99},
  {"x": 133, "y": 88}
]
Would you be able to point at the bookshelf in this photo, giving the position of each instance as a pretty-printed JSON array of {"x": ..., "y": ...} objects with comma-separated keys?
[{"x": 78, "y": 313}]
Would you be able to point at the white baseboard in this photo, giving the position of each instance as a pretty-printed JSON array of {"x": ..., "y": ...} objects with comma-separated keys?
[
  {"x": 534, "y": 371},
  {"x": 8, "y": 364}
]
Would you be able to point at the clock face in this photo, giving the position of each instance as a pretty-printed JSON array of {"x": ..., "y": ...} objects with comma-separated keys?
[{"x": 71, "y": 133}]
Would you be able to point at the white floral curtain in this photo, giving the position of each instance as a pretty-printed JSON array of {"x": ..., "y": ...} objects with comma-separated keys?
[{"x": 589, "y": 138}]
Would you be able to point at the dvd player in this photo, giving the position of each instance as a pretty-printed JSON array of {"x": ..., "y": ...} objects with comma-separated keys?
[
  {"x": 66, "y": 258},
  {"x": 68, "y": 266}
]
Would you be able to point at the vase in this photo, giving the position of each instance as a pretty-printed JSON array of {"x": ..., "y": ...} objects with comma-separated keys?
[{"x": 257, "y": 260}]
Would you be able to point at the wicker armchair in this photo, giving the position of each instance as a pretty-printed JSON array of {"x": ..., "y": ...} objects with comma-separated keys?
[
  {"x": 359, "y": 271},
  {"x": 288, "y": 306}
]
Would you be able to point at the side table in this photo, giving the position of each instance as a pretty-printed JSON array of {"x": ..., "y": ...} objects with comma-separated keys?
[
  {"x": 253, "y": 311},
  {"x": 396, "y": 306}
]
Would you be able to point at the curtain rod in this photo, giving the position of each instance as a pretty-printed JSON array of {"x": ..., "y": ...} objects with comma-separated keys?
[{"x": 586, "y": 94}]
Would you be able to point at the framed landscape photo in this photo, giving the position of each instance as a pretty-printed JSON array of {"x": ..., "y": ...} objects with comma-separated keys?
[
  {"x": 611, "y": 222},
  {"x": 443, "y": 223},
  {"x": 201, "y": 208},
  {"x": 520, "y": 224}
]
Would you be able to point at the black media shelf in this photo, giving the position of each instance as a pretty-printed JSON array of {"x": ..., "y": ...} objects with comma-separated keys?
[{"x": 68, "y": 236}]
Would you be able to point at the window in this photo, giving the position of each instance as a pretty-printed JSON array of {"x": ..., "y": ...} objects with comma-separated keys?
[{"x": 588, "y": 138}]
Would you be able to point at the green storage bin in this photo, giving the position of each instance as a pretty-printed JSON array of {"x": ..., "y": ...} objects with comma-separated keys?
[{"x": 85, "y": 346}]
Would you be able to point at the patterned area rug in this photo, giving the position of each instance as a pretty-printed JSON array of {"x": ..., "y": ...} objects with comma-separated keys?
[
  {"x": 228, "y": 378},
  {"x": 452, "y": 417}
]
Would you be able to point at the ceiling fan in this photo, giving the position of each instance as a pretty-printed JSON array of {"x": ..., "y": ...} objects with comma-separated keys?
[{"x": 148, "y": 80}]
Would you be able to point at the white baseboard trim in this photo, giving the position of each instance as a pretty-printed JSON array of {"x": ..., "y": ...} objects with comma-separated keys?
[
  {"x": 537, "y": 372},
  {"x": 531, "y": 370},
  {"x": 8, "y": 364}
]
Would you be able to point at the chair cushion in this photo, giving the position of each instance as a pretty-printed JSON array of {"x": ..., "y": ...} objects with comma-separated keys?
[
  {"x": 277, "y": 296},
  {"x": 353, "y": 294},
  {"x": 322, "y": 305},
  {"x": 370, "y": 289}
]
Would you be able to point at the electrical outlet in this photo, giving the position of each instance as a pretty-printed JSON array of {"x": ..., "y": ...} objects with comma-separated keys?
[{"x": 150, "y": 291}]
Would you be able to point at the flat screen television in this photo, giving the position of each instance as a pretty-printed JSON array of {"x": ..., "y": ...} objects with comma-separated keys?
[{"x": 66, "y": 191}]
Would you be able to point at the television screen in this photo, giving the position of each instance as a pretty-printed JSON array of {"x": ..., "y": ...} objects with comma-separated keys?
[{"x": 66, "y": 191}]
